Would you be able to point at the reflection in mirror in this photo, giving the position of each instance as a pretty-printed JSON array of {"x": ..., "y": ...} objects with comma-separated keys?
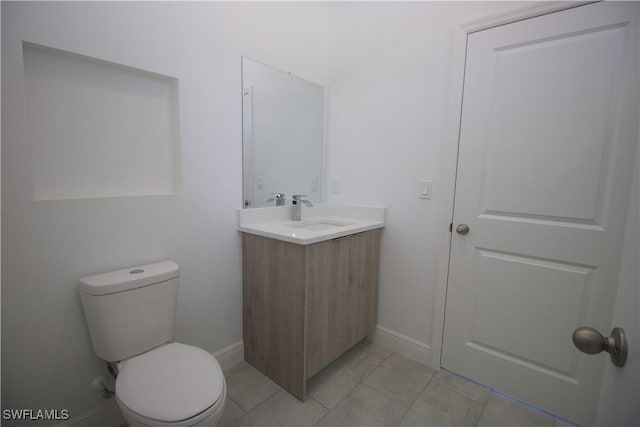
[{"x": 282, "y": 136}]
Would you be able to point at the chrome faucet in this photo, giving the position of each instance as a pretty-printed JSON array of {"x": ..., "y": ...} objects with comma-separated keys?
[
  {"x": 278, "y": 197},
  {"x": 297, "y": 207}
]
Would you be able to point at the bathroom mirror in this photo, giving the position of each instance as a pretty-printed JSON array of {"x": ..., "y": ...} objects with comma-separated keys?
[{"x": 282, "y": 136}]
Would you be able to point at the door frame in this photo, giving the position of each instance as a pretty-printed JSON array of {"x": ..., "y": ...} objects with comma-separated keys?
[{"x": 454, "y": 114}]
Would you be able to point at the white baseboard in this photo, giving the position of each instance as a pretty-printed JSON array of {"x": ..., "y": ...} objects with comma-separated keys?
[
  {"x": 402, "y": 344},
  {"x": 230, "y": 356}
]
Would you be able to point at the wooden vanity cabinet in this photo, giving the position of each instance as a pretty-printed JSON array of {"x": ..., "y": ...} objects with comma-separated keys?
[{"x": 305, "y": 305}]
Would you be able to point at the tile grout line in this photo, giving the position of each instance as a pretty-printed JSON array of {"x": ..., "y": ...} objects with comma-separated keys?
[
  {"x": 417, "y": 397},
  {"x": 361, "y": 380},
  {"x": 359, "y": 383},
  {"x": 244, "y": 413},
  {"x": 238, "y": 405},
  {"x": 236, "y": 372},
  {"x": 339, "y": 402},
  {"x": 394, "y": 400},
  {"x": 421, "y": 390},
  {"x": 514, "y": 400},
  {"x": 350, "y": 370},
  {"x": 465, "y": 396},
  {"x": 525, "y": 405},
  {"x": 318, "y": 402},
  {"x": 262, "y": 401},
  {"x": 483, "y": 408}
]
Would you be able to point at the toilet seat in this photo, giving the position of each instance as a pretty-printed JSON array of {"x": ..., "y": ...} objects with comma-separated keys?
[{"x": 171, "y": 383}]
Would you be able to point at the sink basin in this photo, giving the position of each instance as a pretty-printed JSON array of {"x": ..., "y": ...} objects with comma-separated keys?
[{"x": 318, "y": 225}]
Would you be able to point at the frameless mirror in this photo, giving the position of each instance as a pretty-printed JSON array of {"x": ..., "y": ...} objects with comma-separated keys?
[{"x": 282, "y": 136}]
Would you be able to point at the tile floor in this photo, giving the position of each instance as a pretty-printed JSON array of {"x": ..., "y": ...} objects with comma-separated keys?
[{"x": 372, "y": 386}]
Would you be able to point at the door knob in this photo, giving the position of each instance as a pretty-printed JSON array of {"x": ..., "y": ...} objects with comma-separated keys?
[
  {"x": 462, "y": 229},
  {"x": 590, "y": 341}
]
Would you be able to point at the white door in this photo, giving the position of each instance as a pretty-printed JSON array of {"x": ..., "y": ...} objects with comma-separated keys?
[
  {"x": 548, "y": 137},
  {"x": 619, "y": 403}
]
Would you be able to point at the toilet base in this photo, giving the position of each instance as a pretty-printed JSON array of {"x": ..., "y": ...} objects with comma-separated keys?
[{"x": 208, "y": 418}]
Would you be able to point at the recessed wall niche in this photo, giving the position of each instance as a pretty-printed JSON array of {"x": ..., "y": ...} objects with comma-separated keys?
[{"x": 99, "y": 129}]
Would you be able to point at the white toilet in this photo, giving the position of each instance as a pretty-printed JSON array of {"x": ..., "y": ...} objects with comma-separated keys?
[{"x": 131, "y": 314}]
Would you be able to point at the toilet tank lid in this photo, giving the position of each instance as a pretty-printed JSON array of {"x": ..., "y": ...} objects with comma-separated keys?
[{"x": 129, "y": 278}]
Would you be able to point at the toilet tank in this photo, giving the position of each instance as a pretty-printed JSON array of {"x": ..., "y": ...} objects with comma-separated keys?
[{"x": 130, "y": 311}]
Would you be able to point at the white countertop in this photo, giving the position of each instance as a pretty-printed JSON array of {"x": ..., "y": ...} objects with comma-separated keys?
[{"x": 319, "y": 223}]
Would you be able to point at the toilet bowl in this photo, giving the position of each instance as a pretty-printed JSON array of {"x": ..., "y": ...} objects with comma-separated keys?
[
  {"x": 172, "y": 385},
  {"x": 131, "y": 315}
]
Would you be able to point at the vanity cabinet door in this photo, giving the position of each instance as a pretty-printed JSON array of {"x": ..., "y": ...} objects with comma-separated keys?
[
  {"x": 342, "y": 295},
  {"x": 362, "y": 296},
  {"x": 328, "y": 276},
  {"x": 273, "y": 310}
]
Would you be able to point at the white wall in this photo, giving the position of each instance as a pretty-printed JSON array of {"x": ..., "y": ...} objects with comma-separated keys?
[
  {"x": 389, "y": 92},
  {"x": 47, "y": 245}
]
